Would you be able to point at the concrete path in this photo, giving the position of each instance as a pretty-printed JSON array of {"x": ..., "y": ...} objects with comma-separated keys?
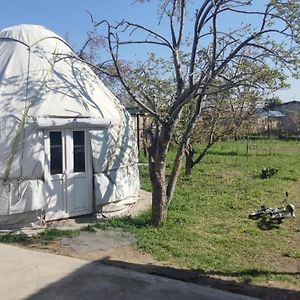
[{"x": 26, "y": 274}]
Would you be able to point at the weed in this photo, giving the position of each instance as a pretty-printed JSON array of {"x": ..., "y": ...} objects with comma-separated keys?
[
  {"x": 54, "y": 233},
  {"x": 89, "y": 228},
  {"x": 293, "y": 253},
  {"x": 268, "y": 172},
  {"x": 13, "y": 238},
  {"x": 128, "y": 223}
]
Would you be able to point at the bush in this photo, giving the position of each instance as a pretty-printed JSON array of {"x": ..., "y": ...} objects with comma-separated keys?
[
  {"x": 268, "y": 172},
  {"x": 13, "y": 238},
  {"x": 54, "y": 233}
]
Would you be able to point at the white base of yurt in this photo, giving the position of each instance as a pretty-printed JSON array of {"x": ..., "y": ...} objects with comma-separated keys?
[
  {"x": 36, "y": 219},
  {"x": 28, "y": 219},
  {"x": 118, "y": 209}
]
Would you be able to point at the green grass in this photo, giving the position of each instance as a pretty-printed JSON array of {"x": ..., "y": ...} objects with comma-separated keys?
[
  {"x": 13, "y": 238},
  {"x": 294, "y": 253},
  {"x": 54, "y": 233},
  {"x": 45, "y": 236},
  {"x": 208, "y": 227}
]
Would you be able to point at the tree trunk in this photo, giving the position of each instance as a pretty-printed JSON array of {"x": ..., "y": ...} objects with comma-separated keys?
[
  {"x": 145, "y": 136},
  {"x": 247, "y": 147},
  {"x": 157, "y": 153},
  {"x": 159, "y": 194},
  {"x": 159, "y": 204},
  {"x": 189, "y": 162}
]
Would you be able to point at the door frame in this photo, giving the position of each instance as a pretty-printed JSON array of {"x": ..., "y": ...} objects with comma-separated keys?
[{"x": 66, "y": 176}]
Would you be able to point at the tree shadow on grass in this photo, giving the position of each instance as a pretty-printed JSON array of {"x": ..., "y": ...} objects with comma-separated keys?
[
  {"x": 224, "y": 153},
  {"x": 288, "y": 178}
]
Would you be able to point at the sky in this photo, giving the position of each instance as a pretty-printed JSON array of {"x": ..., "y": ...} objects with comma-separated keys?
[{"x": 69, "y": 18}]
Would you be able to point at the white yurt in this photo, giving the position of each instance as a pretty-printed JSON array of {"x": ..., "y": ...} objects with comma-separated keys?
[{"x": 67, "y": 145}]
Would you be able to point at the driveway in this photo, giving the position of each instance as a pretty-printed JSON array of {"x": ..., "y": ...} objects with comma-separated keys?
[{"x": 26, "y": 274}]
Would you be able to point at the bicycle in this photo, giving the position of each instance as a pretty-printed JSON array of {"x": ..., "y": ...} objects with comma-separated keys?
[{"x": 276, "y": 214}]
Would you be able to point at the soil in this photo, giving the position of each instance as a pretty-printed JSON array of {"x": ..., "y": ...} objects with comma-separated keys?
[{"x": 123, "y": 253}]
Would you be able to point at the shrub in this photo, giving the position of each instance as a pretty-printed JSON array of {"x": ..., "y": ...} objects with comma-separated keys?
[{"x": 268, "y": 172}]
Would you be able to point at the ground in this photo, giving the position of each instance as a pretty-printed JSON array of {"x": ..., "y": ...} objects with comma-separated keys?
[
  {"x": 208, "y": 237},
  {"x": 50, "y": 276},
  {"x": 117, "y": 248},
  {"x": 101, "y": 245}
]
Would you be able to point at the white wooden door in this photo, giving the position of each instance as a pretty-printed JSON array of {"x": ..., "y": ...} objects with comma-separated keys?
[
  {"x": 55, "y": 166},
  {"x": 68, "y": 173}
]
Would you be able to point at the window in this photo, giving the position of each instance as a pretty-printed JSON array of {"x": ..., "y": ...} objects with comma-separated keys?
[
  {"x": 56, "y": 158},
  {"x": 79, "y": 151}
]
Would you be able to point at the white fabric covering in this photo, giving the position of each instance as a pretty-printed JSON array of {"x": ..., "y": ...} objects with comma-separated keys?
[
  {"x": 43, "y": 84},
  {"x": 46, "y": 123}
]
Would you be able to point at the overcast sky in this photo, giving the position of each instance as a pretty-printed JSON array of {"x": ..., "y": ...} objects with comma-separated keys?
[{"x": 70, "y": 18}]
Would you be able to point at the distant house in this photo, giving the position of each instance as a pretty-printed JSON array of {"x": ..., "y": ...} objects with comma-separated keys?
[
  {"x": 290, "y": 122},
  {"x": 269, "y": 122},
  {"x": 288, "y": 106},
  {"x": 283, "y": 119}
]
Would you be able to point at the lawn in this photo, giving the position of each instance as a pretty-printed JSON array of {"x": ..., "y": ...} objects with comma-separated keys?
[{"x": 208, "y": 227}]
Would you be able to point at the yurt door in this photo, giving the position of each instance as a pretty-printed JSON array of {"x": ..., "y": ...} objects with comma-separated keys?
[{"x": 69, "y": 173}]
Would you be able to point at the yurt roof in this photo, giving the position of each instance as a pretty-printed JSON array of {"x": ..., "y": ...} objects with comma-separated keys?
[
  {"x": 40, "y": 71},
  {"x": 28, "y": 34}
]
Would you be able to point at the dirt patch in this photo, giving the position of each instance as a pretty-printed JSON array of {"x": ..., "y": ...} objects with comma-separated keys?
[
  {"x": 282, "y": 264},
  {"x": 109, "y": 244},
  {"x": 99, "y": 240},
  {"x": 102, "y": 245}
]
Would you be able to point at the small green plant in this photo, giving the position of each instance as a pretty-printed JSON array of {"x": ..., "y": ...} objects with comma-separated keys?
[
  {"x": 293, "y": 254},
  {"x": 13, "y": 238},
  {"x": 51, "y": 234},
  {"x": 267, "y": 172},
  {"x": 89, "y": 228},
  {"x": 128, "y": 223}
]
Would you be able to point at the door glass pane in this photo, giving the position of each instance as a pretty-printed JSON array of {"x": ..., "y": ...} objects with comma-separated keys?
[
  {"x": 56, "y": 160},
  {"x": 79, "y": 151}
]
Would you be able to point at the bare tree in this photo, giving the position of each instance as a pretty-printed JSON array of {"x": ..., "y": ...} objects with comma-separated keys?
[
  {"x": 207, "y": 57},
  {"x": 232, "y": 112},
  {"x": 228, "y": 114}
]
